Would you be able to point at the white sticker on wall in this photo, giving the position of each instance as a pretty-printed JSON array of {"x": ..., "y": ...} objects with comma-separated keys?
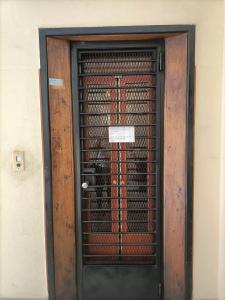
[{"x": 121, "y": 134}]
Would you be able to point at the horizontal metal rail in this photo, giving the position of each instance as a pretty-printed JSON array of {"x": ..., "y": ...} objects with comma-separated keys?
[
  {"x": 115, "y": 61},
  {"x": 117, "y": 125},
  {"x": 136, "y": 210},
  {"x": 133, "y": 200},
  {"x": 127, "y": 198},
  {"x": 137, "y": 190},
  {"x": 121, "y": 161},
  {"x": 121, "y": 244},
  {"x": 144, "y": 113},
  {"x": 125, "y": 233},
  {"x": 119, "y": 74},
  {"x": 123, "y": 185},
  {"x": 112, "y": 174},
  {"x": 119, "y": 221},
  {"x": 110, "y": 149},
  {"x": 145, "y": 51},
  {"x": 150, "y": 262},
  {"x": 130, "y": 101},
  {"x": 106, "y": 137},
  {"x": 134, "y": 88},
  {"x": 119, "y": 255}
]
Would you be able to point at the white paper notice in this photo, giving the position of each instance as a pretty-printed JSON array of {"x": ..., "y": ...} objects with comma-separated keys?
[{"x": 121, "y": 134}]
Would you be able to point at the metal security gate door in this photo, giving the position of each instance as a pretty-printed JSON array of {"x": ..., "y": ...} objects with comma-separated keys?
[{"x": 119, "y": 200}]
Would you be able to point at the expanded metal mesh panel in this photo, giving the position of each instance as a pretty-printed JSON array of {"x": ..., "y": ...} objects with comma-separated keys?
[{"x": 120, "y": 202}]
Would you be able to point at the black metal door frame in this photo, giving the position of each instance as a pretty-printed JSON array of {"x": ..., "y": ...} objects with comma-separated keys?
[
  {"x": 44, "y": 33},
  {"x": 141, "y": 271}
]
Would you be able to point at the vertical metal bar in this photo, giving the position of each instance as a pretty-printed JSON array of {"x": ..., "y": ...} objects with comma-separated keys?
[
  {"x": 114, "y": 166},
  {"x": 189, "y": 161},
  {"x": 160, "y": 156},
  {"x": 117, "y": 80}
]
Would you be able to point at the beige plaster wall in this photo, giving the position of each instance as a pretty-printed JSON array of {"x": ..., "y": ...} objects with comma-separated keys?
[
  {"x": 22, "y": 249},
  {"x": 221, "y": 283}
]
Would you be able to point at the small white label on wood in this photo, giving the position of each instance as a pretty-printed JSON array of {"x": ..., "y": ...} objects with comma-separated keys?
[
  {"x": 56, "y": 82},
  {"x": 121, "y": 134}
]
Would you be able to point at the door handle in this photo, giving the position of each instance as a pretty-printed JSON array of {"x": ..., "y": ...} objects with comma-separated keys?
[{"x": 85, "y": 185}]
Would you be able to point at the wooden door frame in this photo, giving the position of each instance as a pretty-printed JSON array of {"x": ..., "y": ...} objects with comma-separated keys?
[{"x": 182, "y": 193}]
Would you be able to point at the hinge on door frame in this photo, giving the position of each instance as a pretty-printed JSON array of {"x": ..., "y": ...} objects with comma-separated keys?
[
  {"x": 161, "y": 61},
  {"x": 160, "y": 289}
]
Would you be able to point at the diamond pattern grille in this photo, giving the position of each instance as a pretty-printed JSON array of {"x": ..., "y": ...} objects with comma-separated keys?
[{"x": 120, "y": 206}]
